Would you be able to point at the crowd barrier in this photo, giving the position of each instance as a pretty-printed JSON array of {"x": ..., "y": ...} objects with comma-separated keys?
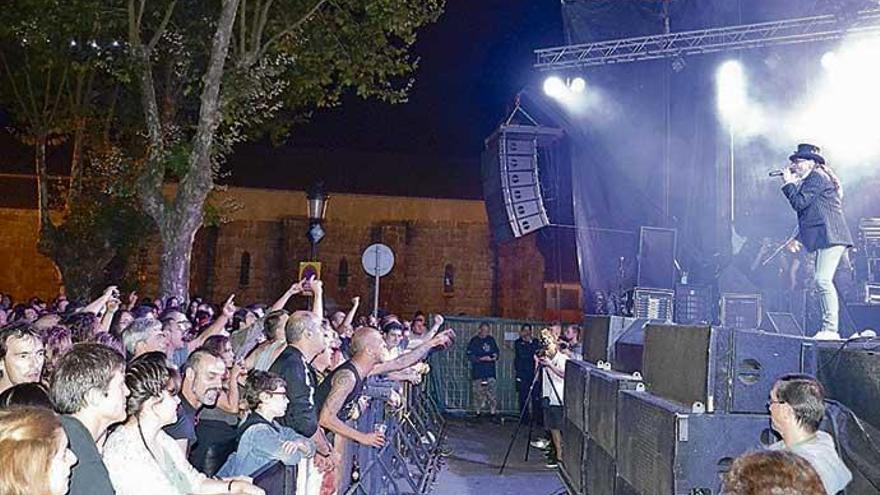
[{"x": 409, "y": 461}]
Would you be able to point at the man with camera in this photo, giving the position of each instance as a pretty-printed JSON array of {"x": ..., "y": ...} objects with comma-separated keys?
[{"x": 552, "y": 367}]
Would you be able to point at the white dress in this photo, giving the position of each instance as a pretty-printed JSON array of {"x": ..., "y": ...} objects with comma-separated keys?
[{"x": 133, "y": 471}]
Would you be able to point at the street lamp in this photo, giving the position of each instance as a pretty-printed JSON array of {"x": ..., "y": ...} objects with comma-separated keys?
[{"x": 317, "y": 205}]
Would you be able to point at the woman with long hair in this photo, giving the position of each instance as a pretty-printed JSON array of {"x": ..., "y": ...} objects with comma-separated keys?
[
  {"x": 34, "y": 455},
  {"x": 141, "y": 458}
]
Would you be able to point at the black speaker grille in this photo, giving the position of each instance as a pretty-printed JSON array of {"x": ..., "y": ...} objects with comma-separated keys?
[
  {"x": 577, "y": 379},
  {"x": 600, "y": 472},
  {"x": 573, "y": 454},
  {"x": 646, "y": 445},
  {"x": 602, "y": 413},
  {"x": 676, "y": 362}
]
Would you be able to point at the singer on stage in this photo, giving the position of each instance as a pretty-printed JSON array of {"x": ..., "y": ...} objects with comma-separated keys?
[{"x": 815, "y": 193}]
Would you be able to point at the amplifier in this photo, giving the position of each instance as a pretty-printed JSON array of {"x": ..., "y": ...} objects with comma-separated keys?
[
  {"x": 600, "y": 472},
  {"x": 602, "y": 413},
  {"x": 741, "y": 310},
  {"x": 693, "y": 304},
  {"x": 573, "y": 460},
  {"x": 872, "y": 293},
  {"x": 669, "y": 450},
  {"x": 653, "y": 304},
  {"x": 574, "y": 397},
  {"x": 723, "y": 369}
]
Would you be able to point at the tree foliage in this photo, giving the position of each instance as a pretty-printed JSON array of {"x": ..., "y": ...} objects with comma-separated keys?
[{"x": 174, "y": 85}]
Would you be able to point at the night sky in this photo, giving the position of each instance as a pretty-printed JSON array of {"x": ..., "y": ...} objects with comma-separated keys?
[{"x": 473, "y": 61}]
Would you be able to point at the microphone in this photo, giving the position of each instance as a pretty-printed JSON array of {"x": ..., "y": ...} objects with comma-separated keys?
[{"x": 775, "y": 173}]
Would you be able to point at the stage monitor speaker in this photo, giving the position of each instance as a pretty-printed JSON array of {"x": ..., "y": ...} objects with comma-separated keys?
[
  {"x": 669, "y": 450},
  {"x": 600, "y": 333},
  {"x": 604, "y": 388},
  {"x": 600, "y": 471},
  {"x": 783, "y": 324},
  {"x": 850, "y": 372},
  {"x": 724, "y": 369},
  {"x": 575, "y": 398},
  {"x": 573, "y": 460},
  {"x": 511, "y": 182},
  {"x": 656, "y": 258},
  {"x": 614, "y": 339}
]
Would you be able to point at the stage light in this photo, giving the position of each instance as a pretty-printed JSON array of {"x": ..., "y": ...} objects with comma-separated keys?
[
  {"x": 578, "y": 85},
  {"x": 731, "y": 91},
  {"x": 829, "y": 60},
  {"x": 554, "y": 87}
]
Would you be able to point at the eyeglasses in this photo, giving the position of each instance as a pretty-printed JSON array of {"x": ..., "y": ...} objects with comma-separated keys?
[
  {"x": 277, "y": 393},
  {"x": 771, "y": 402}
]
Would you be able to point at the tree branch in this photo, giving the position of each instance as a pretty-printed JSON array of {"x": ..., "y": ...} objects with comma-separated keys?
[
  {"x": 162, "y": 26},
  {"x": 150, "y": 182},
  {"x": 15, "y": 91},
  {"x": 274, "y": 39},
  {"x": 197, "y": 183}
]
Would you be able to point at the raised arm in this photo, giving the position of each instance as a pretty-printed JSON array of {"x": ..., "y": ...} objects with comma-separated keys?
[
  {"x": 98, "y": 304},
  {"x": 410, "y": 358},
  {"x": 294, "y": 289},
  {"x": 112, "y": 307},
  {"x": 355, "y": 302},
  {"x": 218, "y": 327},
  {"x": 813, "y": 186},
  {"x": 317, "y": 288}
]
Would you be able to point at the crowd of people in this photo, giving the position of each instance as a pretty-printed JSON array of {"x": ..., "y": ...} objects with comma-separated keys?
[{"x": 138, "y": 397}]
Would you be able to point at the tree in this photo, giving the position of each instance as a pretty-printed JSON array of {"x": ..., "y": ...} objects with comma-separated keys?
[
  {"x": 213, "y": 74},
  {"x": 55, "y": 61}
]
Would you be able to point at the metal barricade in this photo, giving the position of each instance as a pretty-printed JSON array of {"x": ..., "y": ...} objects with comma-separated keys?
[{"x": 408, "y": 464}]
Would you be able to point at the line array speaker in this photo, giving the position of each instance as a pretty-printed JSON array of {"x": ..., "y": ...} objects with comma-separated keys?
[{"x": 511, "y": 185}]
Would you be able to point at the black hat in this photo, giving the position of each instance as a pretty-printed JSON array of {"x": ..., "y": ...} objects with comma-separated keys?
[{"x": 808, "y": 152}]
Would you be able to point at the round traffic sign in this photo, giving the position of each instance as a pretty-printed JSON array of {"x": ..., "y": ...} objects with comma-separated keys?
[{"x": 378, "y": 260}]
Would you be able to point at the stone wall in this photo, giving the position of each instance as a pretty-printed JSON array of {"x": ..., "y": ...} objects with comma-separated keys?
[{"x": 426, "y": 235}]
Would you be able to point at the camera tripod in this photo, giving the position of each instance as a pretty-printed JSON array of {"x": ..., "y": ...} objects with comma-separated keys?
[{"x": 539, "y": 373}]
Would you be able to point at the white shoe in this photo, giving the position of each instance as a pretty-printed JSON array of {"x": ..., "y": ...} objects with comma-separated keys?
[
  {"x": 541, "y": 443},
  {"x": 827, "y": 335}
]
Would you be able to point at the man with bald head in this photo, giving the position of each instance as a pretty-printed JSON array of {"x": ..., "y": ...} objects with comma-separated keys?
[{"x": 337, "y": 396}]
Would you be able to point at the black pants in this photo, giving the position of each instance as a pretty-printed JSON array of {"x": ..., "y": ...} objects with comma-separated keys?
[{"x": 522, "y": 387}]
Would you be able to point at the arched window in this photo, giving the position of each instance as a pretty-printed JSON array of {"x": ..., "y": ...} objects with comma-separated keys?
[
  {"x": 244, "y": 273},
  {"x": 342, "y": 281},
  {"x": 448, "y": 280}
]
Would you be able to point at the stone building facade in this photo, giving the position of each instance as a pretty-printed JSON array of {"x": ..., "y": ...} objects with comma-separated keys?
[{"x": 445, "y": 260}]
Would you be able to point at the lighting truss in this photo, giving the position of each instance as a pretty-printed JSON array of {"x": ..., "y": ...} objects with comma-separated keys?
[{"x": 697, "y": 42}]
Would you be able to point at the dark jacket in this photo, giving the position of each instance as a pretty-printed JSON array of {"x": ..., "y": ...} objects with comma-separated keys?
[
  {"x": 820, "y": 212},
  {"x": 524, "y": 358},
  {"x": 89, "y": 476},
  {"x": 300, "y": 379}
]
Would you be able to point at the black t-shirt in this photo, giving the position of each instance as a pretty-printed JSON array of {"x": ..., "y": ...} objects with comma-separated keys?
[
  {"x": 351, "y": 401},
  {"x": 185, "y": 426},
  {"x": 524, "y": 357},
  {"x": 479, "y": 347}
]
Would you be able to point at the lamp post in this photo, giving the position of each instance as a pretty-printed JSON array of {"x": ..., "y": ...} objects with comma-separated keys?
[{"x": 317, "y": 206}]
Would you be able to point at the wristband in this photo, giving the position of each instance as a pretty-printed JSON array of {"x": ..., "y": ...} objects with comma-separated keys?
[{"x": 229, "y": 486}]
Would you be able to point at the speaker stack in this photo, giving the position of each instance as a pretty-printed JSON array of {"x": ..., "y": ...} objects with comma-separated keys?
[
  {"x": 511, "y": 180},
  {"x": 696, "y": 401}
]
